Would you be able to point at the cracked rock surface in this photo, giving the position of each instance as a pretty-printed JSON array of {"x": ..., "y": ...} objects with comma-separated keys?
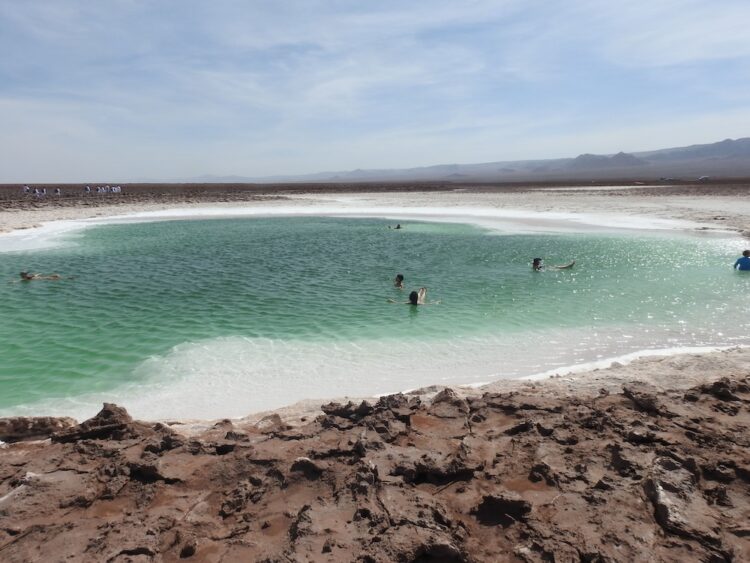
[{"x": 640, "y": 475}]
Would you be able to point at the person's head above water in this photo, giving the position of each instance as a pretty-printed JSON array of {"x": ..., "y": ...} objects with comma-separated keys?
[
  {"x": 413, "y": 298},
  {"x": 746, "y": 253},
  {"x": 536, "y": 263},
  {"x": 26, "y": 276},
  {"x": 399, "y": 280}
]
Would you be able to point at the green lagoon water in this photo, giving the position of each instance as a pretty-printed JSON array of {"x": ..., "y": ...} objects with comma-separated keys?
[{"x": 224, "y": 316}]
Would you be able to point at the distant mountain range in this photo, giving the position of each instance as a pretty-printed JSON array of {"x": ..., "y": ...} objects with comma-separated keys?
[{"x": 728, "y": 158}]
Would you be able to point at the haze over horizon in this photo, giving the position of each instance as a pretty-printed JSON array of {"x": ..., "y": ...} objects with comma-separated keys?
[{"x": 131, "y": 89}]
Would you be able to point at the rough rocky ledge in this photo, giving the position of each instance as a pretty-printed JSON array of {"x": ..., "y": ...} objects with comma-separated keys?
[{"x": 639, "y": 475}]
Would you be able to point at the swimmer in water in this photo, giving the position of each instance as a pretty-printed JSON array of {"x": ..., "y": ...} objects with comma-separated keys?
[
  {"x": 743, "y": 263},
  {"x": 417, "y": 298},
  {"x": 536, "y": 265},
  {"x": 26, "y": 276},
  {"x": 398, "y": 281}
]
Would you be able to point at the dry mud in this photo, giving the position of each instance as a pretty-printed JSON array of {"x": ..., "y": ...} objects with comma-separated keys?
[{"x": 639, "y": 474}]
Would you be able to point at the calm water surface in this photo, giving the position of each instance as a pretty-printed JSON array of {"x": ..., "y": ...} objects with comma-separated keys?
[{"x": 265, "y": 311}]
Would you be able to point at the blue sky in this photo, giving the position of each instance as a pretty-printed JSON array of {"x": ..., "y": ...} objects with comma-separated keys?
[{"x": 125, "y": 89}]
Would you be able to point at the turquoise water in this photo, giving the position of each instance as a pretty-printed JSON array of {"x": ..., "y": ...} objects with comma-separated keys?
[{"x": 241, "y": 302}]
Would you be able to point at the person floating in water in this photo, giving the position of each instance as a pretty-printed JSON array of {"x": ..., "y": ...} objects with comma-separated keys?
[
  {"x": 398, "y": 226},
  {"x": 26, "y": 276},
  {"x": 537, "y": 266},
  {"x": 398, "y": 281},
  {"x": 743, "y": 262},
  {"x": 417, "y": 298}
]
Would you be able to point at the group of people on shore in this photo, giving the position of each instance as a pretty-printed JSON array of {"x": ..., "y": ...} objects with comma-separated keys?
[
  {"x": 103, "y": 189},
  {"x": 42, "y": 192}
]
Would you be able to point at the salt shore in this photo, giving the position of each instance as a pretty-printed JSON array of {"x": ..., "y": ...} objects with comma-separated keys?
[{"x": 708, "y": 209}]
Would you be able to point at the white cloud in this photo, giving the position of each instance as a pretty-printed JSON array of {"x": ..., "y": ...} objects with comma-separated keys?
[
  {"x": 667, "y": 32},
  {"x": 262, "y": 88}
]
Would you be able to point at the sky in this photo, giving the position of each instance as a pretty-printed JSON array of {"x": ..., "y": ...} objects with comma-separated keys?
[{"x": 122, "y": 90}]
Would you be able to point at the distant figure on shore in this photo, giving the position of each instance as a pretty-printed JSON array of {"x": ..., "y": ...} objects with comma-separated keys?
[
  {"x": 398, "y": 281},
  {"x": 743, "y": 262},
  {"x": 26, "y": 276},
  {"x": 537, "y": 266}
]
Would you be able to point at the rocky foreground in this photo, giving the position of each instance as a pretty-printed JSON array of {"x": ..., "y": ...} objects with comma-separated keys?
[{"x": 638, "y": 475}]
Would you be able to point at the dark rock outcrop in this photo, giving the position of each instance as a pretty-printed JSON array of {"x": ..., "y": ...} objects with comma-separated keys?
[
  {"x": 17, "y": 428},
  {"x": 110, "y": 423}
]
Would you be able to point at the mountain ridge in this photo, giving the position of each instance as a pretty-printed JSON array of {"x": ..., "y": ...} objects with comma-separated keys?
[{"x": 727, "y": 158}]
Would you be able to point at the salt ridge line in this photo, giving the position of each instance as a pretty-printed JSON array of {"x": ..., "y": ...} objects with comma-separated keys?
[{"x": 505, "y": 221}]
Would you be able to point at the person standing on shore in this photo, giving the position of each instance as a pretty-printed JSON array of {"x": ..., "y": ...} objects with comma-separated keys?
[{"x": 743, "y": 262}]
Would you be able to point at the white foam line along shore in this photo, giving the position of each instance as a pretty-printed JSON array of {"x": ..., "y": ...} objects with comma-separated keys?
[{"x": 501, "y": 221}]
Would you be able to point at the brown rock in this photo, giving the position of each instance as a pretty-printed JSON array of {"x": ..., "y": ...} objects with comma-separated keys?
[
  {"x": 502, "y": 510},
  {"x": 15, "y": 429},
  {"x": 310, "y": 469},
  {"x": 111, "y": 423},
  {"x": 271, "y": 423},
  {"x": 349, "y": 411},
  {"x": 397, "y": 480},
  {"x": 671, "y": 488},
  {"x": 644, "y": 397},
  {"x": 724, "y": 389},
  {"x": 448, "y": 404}
]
